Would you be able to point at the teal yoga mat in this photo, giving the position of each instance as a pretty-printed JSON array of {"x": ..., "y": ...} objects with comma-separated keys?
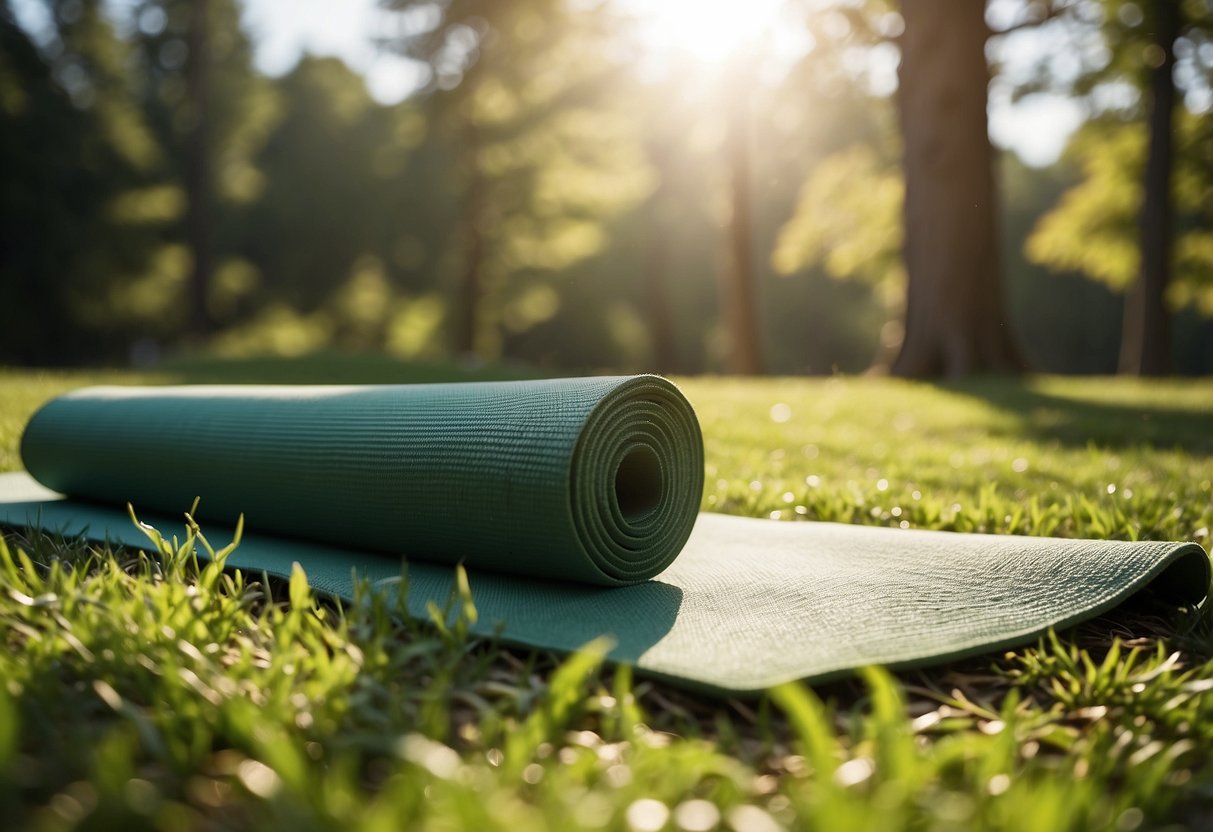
[{"x": 571, "y": 502}]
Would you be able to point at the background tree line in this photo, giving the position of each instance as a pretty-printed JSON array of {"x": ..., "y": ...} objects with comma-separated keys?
[{"x": 548, "y": 199}]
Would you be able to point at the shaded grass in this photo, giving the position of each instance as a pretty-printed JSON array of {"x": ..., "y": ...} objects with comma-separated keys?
[{"x": 158, "y": 693}]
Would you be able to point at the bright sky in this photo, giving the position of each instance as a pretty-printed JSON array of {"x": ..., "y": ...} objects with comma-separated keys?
[
  {"x": 1035, "y": 128},
  {"x": 283, "y": 29}
]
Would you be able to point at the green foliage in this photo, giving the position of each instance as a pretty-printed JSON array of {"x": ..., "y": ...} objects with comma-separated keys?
[
  {"x": 241, "y": 107},
  {"x": 97, "y": 202},
  {"x": 73, "y": 144},
  {"x": 1066, "y": 322},
  {"x": 370, "y": 227},
  {"x": 242, "y": 104},
  {"x": 848, "y": 220},
  {"x": 1112, "y": 48},
  {"x": 1094, "y": 228},
  {"x": 546, "y": 157},
  {"x": 588, "y": 191}
]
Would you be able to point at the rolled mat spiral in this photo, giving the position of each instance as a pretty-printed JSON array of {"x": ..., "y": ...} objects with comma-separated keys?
[
  {"x": 571, "y": 503},
  {"x": 594, "y": 480}
]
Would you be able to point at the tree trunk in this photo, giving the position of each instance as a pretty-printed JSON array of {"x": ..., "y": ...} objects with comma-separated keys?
[
  {"x": 471, "y": 288},
  {"x": 956, "y": 321},
  {"x": 198, "y": 169},
  {"x": 661, "y": 315},
  {"x": 655, "y": 265},
  {"x": 1145, "y": 347},
  {"x": 738, "y": 285}
]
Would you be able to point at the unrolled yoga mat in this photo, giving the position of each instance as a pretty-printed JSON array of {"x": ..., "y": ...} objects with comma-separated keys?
[{"x": 570, "y": 502}]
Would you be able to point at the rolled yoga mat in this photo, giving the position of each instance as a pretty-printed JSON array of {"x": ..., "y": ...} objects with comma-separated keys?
[
  {"x": 570, "y": 502},
  {"x": 594, "y": 480}
]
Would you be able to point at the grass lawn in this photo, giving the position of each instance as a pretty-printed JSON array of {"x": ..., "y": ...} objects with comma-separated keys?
[{"x": 151, "y": 693}]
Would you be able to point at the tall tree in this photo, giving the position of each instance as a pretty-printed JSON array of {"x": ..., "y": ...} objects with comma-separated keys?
[
  {"x": 211, "y": 112},
  {"x": 473, "y": 218},
  {"x": 848, "y": 222},
  {"x": 1095, "y": 227},
  {"x": 1145, "y": 347},
  {"x": 197, "y": 157},
  {"x": 46, "y": 207},
  {"x": 523, "y": 90},
  {"x": 360, "y": 200},
  {"x": 738, "y": 281},
  {"x": 79, "y": 164},
  {"x": 956, "y": 322},
  {"x": 1126, "y": 63},
  {"x": 655, "y": 266}
]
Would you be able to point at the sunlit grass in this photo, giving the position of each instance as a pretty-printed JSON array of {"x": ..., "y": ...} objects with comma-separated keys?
[
  {"x": 142, "y": 692},
  {"x": 1054, "y": 456}
]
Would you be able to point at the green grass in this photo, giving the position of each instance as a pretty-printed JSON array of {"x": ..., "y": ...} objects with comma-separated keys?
[{"x": 140, "y": 692}]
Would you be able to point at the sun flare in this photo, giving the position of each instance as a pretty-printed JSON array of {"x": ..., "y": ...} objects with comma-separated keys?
[{"x": 709, "y": 31}]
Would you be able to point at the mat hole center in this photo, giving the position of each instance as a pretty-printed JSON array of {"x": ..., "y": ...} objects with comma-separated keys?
[{"x": 638, "y": 484}]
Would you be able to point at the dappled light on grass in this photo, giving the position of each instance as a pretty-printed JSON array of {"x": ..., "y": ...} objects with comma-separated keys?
[
  {"x": 995, "y": 456},
  {"x": 168, "y": 693},
  {"x": 163, "y": 692}
]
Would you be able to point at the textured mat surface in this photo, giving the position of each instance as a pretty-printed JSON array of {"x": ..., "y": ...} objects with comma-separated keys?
[
  {"x": 560, "y": 497},
  {"x": 594, "y": 479}
]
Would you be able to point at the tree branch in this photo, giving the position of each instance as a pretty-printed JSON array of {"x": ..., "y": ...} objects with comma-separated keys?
[{"x": 1052, "y": 11}]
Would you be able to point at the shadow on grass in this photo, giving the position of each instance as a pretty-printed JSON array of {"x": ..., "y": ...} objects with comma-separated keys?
[
  {"x": 539, "y": 614},
  {"x": 1047, "y": 416}
]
